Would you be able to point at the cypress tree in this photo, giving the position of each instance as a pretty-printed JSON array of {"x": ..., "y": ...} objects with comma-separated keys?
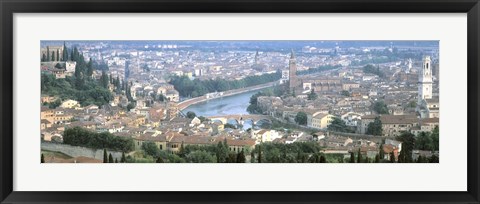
[
  {"x": 44, "y": 58},
  {"x": 401, "y": 158},
  {"x": 123, "y": 159},
  {"x": 252, "y": 157},
  {"x": 241, "y": 157},
  {"x": 381, "y": 152},
  {"x": 65, "y": 52},
  {"x": 181, "y": 151},
  {"x": 104, "y": 79},
  {"x": 359, "y": 156},
  {"x": 232, "y": 157},
  {"x": 377, "y": 158},
  {"x": 322, "y": 159},
  {"x": 260, "y": 153},
  {"x": 419, "y": 159},
  {"x": 392, "y": 157},
  {"x": 90, "y": 68},
  {"x": 225, "y": 142},
  {"x": 299, "y": 157},
  {"x": 53, "y": 56},
  {"x": 105, "y": 156},
  {"x": 42, "y": 159},
  {"x": 58, "y": 55},
  {"x": 116, "y": 160},
  {"x": 110, "y": 158},
  {"x": 48, "y": 54},
  {"x": 352, "y": 157}
]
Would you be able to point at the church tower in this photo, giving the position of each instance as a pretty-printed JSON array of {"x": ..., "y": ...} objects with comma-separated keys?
[
  {"x": 425, "y": 80},
  {"x": 292, "y": 67}
]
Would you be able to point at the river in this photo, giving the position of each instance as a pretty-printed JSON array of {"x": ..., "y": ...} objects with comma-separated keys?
[{"x": 229, "y": 105}]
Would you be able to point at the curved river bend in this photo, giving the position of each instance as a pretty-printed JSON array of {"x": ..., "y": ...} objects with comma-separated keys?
[{"x": 229, "y": 105}]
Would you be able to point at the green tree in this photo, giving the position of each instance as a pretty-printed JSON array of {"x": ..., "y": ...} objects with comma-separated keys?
[
  {"x": 434, "y": 159},
  {"x": 301, "y": 118},
  {"x": 65, "y": 52},
  {"x": 412, "y": 104},
  {"x": 42, "y": 159},
  {"x": 110, "y": 158},
  {"x": 373, "y": 70},
  {"x": 90, "y": 68},
  {"x": 159, "y": 160},
  {"x": 191, "y": 114},
  {"x": 55, "y": 104},
  {"x": 352, "y": 157},
  {"x": 260, "y": 153},
  {"x": 58, "y": 56},
  {"x": 105, "y": 156},
  {"x": 104, "y": 80},
  {"x": 435, "y": 138},
  {"x": 323, "y": 159},
  {"x": 338, "y": 125},
  {"x": 181, "y": 151},
  {"x": 381, "y": 152},
  {"x": 44, "y": 57},
  {"x": 312, "y": 95},
  {"x": 151, "y": 149},
  {"x": 377, "y": 158},
  {"x": 48, "y": 54},
  {"x": 221, "y": 152},
  {"x": 123, "y": 159},
  {"x": 345, "y": 93},
  {"x": 78, "y": 136},
  {"x": 200, "y": 156},
  {"x": 252, "y": 157},
  {"x": 241, "y": 157},
  {"x": 424, "y": 141},
  {"x": 408, "y": 143},
  {"x": 130, "y": 106},
  {"x": 420, "y": 159},
  {"x": 392, "y": 157},
  {"x": 359, "y": 156},
  {"x": 116, "y": 160},
  {"x": 380, "y": 107},
  {"x": 375, "y": 127}
]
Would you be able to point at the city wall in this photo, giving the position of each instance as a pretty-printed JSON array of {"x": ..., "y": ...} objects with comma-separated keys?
[{"x": 76, "y": 151}]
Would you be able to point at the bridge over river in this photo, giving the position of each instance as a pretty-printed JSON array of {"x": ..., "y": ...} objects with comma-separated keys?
[{"x": 238, "y": 118}]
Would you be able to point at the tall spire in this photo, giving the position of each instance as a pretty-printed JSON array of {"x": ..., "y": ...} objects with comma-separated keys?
[{"x": 292, "y": 71}]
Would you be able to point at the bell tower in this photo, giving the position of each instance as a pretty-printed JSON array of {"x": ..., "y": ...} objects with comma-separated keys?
[
  {"x": 425, "y": 80},
  {"x": 292, "y": 66}
]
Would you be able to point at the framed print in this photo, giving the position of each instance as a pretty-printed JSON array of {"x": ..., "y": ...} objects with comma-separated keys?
[{"x": 256, "y": 102}]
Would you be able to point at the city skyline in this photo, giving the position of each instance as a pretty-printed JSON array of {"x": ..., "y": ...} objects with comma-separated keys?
[{"x": 240, "y": 101}]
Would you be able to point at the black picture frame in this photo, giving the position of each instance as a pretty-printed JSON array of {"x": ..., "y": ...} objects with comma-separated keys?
[{"x": 10, "y": 7}]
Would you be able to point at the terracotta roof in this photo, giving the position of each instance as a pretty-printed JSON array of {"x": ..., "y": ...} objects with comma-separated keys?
[
  {"x": 430, "y": 120},
  {"x": 158, "y": 138},
  {"x": 388, "y": 148}
]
